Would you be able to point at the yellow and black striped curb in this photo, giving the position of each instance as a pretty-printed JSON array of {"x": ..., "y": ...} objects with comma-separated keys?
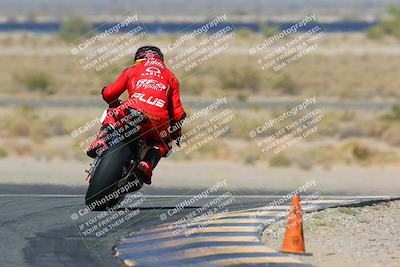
[{"x": 232, "y": 239}]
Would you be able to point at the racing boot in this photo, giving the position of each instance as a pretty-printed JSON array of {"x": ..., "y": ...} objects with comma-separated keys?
[
  {"x": 109, "y": 124},
  {"x": 144, "y": 169}
]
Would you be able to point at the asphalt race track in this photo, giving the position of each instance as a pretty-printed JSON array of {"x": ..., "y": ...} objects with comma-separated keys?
[{"x": 39, "y": 232}]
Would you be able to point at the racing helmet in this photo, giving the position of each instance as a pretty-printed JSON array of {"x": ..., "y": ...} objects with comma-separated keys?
[{"x": 148, "y": 51}]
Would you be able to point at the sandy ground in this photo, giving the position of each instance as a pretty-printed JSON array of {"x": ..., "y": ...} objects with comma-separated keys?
[
  {"x": 348, "y": 237},
  {"x": 201, "y": 174}
]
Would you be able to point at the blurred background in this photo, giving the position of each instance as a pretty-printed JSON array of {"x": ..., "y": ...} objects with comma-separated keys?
[{"x": 46, "y": 94}]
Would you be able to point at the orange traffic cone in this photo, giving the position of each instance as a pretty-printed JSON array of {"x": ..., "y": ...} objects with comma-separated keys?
[{"x": 294, "y": 239}]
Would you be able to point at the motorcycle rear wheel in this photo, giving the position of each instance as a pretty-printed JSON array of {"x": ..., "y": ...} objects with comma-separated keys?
[{"x": 107, "y": 176}]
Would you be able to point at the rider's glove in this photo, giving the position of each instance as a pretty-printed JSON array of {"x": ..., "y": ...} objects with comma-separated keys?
[
  {"x": 113, "y": 108},
  {"x": 176, "y": 135},
  {"x": 116, "y": 103},
  {"x": 178, "y": 141}
]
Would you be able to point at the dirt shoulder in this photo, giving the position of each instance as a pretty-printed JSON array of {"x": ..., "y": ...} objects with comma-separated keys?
[
  {"x": 201, "y": 174},
  {"x": 367, "y": 236}
]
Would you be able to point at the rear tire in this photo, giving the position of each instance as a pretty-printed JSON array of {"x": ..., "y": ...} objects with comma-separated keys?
[{"x": 106, "y": 176}]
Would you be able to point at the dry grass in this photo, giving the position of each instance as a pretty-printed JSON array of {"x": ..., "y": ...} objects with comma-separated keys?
[
  {"x": 339, "y": 127},
  {"x": 392, "y": 135},
  {"x": 347, "y": 76},
  {"x": 344, "y": 75}
]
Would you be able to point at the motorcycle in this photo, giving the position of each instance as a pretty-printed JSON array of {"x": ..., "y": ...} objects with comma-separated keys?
[{"x": 111, "y": 174}]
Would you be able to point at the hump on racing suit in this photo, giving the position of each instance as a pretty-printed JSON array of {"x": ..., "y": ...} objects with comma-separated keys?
[{"x": 153, "y": 87}]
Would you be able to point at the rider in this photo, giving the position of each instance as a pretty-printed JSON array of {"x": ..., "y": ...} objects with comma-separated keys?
[{"x": 153, "y": 90}]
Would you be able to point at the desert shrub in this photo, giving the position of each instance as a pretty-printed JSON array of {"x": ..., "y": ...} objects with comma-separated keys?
[
  {"x": 356, "y": 150},
  {"x": 23, "y": 127},
  {"x": 391, "y": 21},
  {"x": 361, "y": 152},
  {"x": 243, "y": 76},
  {"x": 389, "y": 25},
  {"x": 200, "y": 84},
  {"x": 250, "y": 155},
  {"x": 249, "y": 159},
  {"x": 26, "y": 123},
  {"x": 375, "y": 33},
  {"x": 39, "y": 131},
  {"x": 392, "y": 135},
  {"x": 396, "y": 112},
  {"x": 325, "y": 155},
  {"x": 18, "y": 127},
  {"x": 215, "y": 149},
  {"x": 18, "y": 148},
  {"x": 329, "y": 125},
  {"x": 3, "y": 153},
  {"x": 242, "y": 97},
  {"x": 40, "y": 82},
  {"x": 393, "y": 115},
  {"x": 242, "y": 124},
  {"x": 268, "y": 30},
  {"x": 245, "y": 32},
  {"x": 280, "y": 160},
  {"x": 361, "y": 128},
  {"x": 285, "y": 84},
  {"x": 18, "y": 124},
  {"x": 348, "y": 211},
  {"x": 222, "y": 151},
  {"x": 75, "y": 27},
  {"x": 305, "y": 162},
  {"x": 57, "y": 126}
]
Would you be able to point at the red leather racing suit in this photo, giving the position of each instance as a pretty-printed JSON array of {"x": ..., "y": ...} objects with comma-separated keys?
[{"x": 154, "y": 90}]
